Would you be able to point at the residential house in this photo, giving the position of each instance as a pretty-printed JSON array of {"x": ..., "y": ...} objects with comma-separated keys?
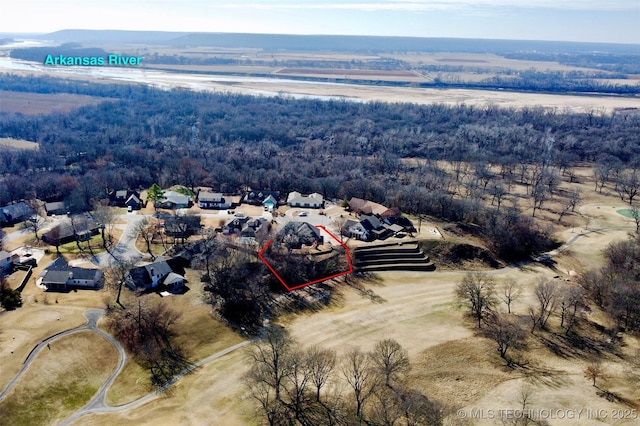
[
  {"x": 14, "y": 213},
  {"x": 355, "y": 229},
  {"x": 235, "y": 225},
  {"x": 406, "y": 224},
  {"x": 258, "y": 197},
  {"x": 254, "y": 227},
  {"x": 174, "y": 200},
  {"x": 270, "y": 203},
  {"x": 56, "y": 207},
  {"x": 80, "y": 228},
  {"x": 60, "y": 276},
  {"x": 297, "y": 234},
  {"x": 162, "y": 273},
  {"x": 182, "y": 226},
  {"x": 134, "y": 202},
  {"x": 126, "y": 198},
  {"x": 360, "y": 206},
  {"x": 372, "y": 227},
  {"x": 213, "y": 200},
  {"x": 314, "y": 201},
  {"x": 5, "y": 262}
]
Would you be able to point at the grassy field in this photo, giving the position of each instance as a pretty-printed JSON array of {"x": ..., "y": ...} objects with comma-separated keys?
[
  {"x": 43, "y": 103},
  {"x": 9, "y": 143},
  {"x": 60, "y": 380}
]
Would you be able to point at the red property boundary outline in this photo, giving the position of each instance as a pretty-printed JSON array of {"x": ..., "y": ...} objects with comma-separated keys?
[{"x": 273, "y": 271}]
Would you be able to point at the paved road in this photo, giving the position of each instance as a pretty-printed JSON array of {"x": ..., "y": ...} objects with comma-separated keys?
[
  {"x": 92, "y": 315},
  {"x": 125, "y": 250},
  {"x": 99, "y": 405}
]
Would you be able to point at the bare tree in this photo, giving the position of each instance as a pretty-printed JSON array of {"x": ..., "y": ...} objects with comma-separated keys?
[
  {"x": 390, "y": 360},
  {"x": 593, "y": 371},
  {"x": 476, "y": 291},
  {"x": 546, "y": 293},
  {"x": 105, "y": 217},
  {"x": 115, "y": 275},
  {"x": 272, "y": 360},
  {"x": 34, "y": 222},
  {"x": 146, "y": 230},
  {"x": 321, "y": 363},
  {"x": 505, "y": 332},
  {"x": 571, "y": 304},
  {"x": 357, "y": 370},
  {"x": 628, "y": 185},
  {"x": 635, "y": 215},
  {"x": 511, "y": 291}
]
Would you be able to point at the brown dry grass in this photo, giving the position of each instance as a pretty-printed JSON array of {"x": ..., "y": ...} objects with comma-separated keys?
[
  {"x": 198, "y": 333},
  {"x": 60, "y": 380},
  {"x": 9, "y": 143},
  {"x": 44, "y": 103}
]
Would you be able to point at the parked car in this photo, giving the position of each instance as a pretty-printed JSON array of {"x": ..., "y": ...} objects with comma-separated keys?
[{"x": 303, "y": 214}]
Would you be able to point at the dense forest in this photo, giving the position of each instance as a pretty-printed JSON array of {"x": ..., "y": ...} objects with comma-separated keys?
[{"x": 341, "y": 149}]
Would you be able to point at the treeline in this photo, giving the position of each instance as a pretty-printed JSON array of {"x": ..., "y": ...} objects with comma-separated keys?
[
  {"x": 383, "y": 63},
  {"x": 39, "y": 54},
  {"x": 378, "y": 151},
  {"x": 627, "y": 63},
  {"x": 296, "y": 386},
  {"x": 616, "y": 286}
]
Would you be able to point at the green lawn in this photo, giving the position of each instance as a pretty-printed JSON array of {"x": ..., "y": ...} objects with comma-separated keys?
[{"x": 626, "y": 213}]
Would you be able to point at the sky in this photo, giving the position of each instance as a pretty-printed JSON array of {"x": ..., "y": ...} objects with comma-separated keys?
[{"x": 616, "y": 21}]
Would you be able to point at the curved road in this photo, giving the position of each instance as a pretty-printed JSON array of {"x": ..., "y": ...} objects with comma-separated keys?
[
  {"x": 98, "y": 403},
  {"x": 92, "y": 315}
]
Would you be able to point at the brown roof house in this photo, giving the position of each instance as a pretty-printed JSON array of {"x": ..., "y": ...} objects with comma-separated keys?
[{"x": 360, "y": 206}]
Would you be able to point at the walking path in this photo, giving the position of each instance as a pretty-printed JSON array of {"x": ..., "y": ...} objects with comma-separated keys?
[{"x": 98, "y": 403}]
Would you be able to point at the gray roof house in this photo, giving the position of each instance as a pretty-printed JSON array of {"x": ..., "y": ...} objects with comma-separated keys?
[
  {"x": 61, "y": 277},
  {"x": 14, "y": 213},
  {"x": 174, "y": 200},
  {"x": 297, "y": 234}
]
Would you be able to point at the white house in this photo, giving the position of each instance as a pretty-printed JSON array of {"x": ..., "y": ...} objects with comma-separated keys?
[
  {"x": 314, "y": 201},
  {"x": 213, "y": 200}
]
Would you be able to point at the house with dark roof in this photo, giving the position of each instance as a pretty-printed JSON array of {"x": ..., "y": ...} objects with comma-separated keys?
[
  {"x": 56, "y": 207},
  {"x": 314, "y": 201},
  {"x": 5, "y": 262},
  {"x": 258, "y": 197},
  {"x": 59, "y": 276},
  {"x": 213, "y": 200},
  {"x": 126, "y": 198},
  {"x": 14, "y": 213},
  {"x": 182, "y": 226},
  {"x": 296, "y": 234},
  {"x": 75, "y": 228},
  {"x": 235, "y": 225},
  {"x": 162, "y": 273},
  {"x": 254, "y": 227},
  {"x": 372, "y": 227}
]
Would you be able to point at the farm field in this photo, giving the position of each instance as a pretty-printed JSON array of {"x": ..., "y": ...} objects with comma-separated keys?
[
  {"x": 9, "y": 143},
  {"x": 43, "y": 103}
]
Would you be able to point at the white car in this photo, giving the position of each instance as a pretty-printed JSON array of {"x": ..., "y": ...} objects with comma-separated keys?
[{"x": 303, "y": 214}]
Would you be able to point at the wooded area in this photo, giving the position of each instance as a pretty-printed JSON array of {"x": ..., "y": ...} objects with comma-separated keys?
[{"x": 388, "y": 153}]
